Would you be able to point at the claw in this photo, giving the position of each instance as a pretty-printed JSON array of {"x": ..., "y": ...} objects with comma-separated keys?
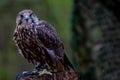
[
  {"x": 44, "y": 71},
  {"x": 35, "y": 71},
  {"x": 40, "y": 71}
]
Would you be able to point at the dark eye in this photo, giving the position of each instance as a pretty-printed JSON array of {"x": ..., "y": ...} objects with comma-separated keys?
[
  {"x": 31, "y": 15},
  {"x": 21, "y": 16}
]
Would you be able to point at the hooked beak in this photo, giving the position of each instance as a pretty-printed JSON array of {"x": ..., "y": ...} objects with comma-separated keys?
[{"x": 27, "y": 17}]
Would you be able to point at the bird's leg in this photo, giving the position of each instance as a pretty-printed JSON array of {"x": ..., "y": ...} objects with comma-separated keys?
[
  {"x": 45, "y": 71},
  {"x": 37, "y": 68},
  {"x": 40, "y": 71}
]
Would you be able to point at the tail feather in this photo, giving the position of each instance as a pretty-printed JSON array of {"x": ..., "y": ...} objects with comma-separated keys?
[{"x": 67, "y": 62}]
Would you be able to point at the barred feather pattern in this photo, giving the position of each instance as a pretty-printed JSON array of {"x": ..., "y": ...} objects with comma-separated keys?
[{"x": 39, "y": 42}]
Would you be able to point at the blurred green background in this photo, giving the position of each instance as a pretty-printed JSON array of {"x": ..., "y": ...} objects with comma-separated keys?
[
  {"x": 92, "y": 27},
  {"x": 56, "y": 12}
]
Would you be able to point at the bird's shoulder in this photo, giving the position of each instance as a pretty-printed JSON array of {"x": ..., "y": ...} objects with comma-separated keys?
[
  {"x": 46, "y": 26},
  {"x": 47, "y": 34}
]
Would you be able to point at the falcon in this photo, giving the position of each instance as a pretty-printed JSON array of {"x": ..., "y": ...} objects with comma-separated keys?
[{"x": 39, "y": 43}]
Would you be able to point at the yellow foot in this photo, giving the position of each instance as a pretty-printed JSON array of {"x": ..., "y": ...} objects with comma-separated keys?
[{"x": 44, "y": 71}]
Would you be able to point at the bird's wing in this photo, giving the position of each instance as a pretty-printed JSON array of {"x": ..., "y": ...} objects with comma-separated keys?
[{"x": 49, "y": 37}]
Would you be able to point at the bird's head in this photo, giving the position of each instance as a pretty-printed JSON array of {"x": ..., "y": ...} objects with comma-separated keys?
[{"x": 26, "y": 17}]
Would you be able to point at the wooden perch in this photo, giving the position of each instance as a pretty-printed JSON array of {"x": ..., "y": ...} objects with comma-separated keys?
[{"x": 55, "y": 76}]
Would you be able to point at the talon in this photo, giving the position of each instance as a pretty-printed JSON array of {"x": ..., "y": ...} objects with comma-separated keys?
[
  {"x": 35, "y": 71},
  {"x": 44, "y": 71}
]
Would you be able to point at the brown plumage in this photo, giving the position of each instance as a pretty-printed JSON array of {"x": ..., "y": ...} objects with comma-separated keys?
[{"x": 39, "y": 42}]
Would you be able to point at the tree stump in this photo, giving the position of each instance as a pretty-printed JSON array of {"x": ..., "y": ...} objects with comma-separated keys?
[{"x": 55, "y": 76}]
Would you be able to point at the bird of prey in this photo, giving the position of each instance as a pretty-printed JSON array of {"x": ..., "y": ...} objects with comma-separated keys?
[{"x": 39, "y": 43}]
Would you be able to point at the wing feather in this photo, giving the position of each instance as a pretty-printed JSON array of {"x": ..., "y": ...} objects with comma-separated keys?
[{"x": 49, "y": 37}]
